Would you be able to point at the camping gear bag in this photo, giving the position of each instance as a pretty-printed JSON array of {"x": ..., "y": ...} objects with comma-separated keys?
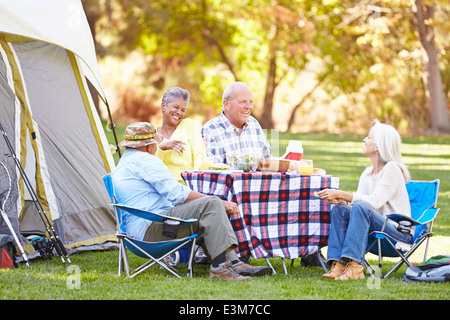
[
  {"x": 7, "y": 258},
  {"x": 439, "y": 258},
  {"x": 438, "y": 271}
]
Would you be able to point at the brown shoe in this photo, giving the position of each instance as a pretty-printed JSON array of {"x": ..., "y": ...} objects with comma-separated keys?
[
  {"x": 353, "y": 271},
  {"x": 226, "y": 273},
  {"x": 245, "y": 269},
  {"x": 336, "y": 270}
]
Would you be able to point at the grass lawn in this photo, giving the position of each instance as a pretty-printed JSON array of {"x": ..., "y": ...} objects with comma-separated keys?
[{"x": 93, "y": 275}]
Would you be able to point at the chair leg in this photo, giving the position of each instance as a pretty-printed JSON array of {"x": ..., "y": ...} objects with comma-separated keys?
[
  {"x": 323, "y": 262},
  {"x": 191, "y": 259},
  {"x": 123, "y": 258},
  {"x": 370, "y": 269},
  {"x": 380, "y": 259},
  {"x": 426, "y": 245},
  {"x": 120, "y": 258}
]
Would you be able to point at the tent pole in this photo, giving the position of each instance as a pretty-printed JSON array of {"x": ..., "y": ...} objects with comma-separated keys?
[
  {"x": 113, "y": 127},
  {"x": 56, "y": 241}
]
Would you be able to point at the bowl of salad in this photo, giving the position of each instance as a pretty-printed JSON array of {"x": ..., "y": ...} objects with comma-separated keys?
[{"x": 245, "y": 162}]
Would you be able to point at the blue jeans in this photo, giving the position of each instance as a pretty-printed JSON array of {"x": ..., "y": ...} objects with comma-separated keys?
[{"x": 350, "y": 229}]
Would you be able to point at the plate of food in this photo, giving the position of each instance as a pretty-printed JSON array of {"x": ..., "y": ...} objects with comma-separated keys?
[
  {"x": 319, "y": 172},
  {"x": 247, "y": 163},
  {"x": 218, "y": 167}
]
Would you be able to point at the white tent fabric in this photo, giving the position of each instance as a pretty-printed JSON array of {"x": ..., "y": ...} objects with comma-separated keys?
[
  {"x": 37, "y": 19},
  {"x": 46, "y": 55}
]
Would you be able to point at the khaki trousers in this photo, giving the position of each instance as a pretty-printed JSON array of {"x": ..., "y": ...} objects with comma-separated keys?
[{"x": 212, "y": 222}]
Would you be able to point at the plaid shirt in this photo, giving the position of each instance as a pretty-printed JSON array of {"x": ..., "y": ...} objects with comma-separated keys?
[{"x": 222, "y": 137}]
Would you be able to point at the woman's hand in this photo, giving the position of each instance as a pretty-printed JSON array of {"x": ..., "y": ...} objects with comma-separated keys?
[
  {"x": 331, "y": 195},
  {"x": 231, "y": 207},
  {"x": 175, "y": 145},
  {"x": 334, "y": 196}
]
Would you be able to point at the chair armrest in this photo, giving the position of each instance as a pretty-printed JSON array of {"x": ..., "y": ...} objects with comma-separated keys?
[
  {"x": 398, "y": 217},
  {"x": 427, "y": 216},
  {"x": 148, "y": 215}
]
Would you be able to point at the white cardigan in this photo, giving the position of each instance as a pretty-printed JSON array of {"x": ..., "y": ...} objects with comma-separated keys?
[{"x": 385, "y": 191}]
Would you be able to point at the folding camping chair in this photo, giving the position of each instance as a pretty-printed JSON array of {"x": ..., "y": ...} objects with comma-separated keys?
[
  {"x": 423, "y": 198},
  {"x": 155, "y": 252}
]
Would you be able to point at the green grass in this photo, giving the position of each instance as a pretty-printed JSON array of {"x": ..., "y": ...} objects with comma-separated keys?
[{"x": 428, "y": 158}]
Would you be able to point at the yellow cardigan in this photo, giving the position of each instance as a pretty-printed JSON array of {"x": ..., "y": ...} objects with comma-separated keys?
[{"x": 188, "y": 131}]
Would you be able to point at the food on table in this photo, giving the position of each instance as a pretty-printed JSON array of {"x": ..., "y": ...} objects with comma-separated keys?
[
  {"x": 305, "y": 167},
  {"x": 319, "y": 171},
  {"x": 206, "y": 165},
  {"x": 247, "y": 163},
  {"x": 219, "y": 166},
  {"x": 274, "y": 165},
  {"x": 283, "y": 165},
  {"x": 268, "y": 165}
]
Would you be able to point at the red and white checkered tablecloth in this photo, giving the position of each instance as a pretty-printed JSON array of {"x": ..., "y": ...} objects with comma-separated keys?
[{"x": 279, "y": 214}]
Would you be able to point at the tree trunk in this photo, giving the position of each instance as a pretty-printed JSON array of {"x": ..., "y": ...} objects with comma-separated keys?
[
  {"x": 434, "y": 92},
  {"x": 298, "y": 105},
  {"x": 266, "y": 120}
]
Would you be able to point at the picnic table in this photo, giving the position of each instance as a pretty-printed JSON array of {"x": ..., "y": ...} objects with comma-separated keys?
[{"x": 279, "y": 214}]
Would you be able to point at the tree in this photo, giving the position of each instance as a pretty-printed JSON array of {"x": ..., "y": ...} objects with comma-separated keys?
[
  {"x": 259, "y": 42},
  {"x": 369, "y": 50},
  {"x": 424, "y": 15},
  {"x": 373, "y": 56}
]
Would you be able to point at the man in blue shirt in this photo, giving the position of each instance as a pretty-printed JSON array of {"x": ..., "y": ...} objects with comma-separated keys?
[{"x": 143, "y": 181}]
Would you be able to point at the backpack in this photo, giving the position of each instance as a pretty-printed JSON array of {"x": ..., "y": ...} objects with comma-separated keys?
[
  {"x": 7, "y": 257},
  {"x": 438, "y": 270}
]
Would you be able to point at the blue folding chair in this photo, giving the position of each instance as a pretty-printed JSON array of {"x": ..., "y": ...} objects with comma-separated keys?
[
  {"x": 423, "y": 197},
  {"x": 155, "y": 252}
]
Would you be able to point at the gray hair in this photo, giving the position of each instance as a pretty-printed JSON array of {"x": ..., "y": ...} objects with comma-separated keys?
[
  {"x": 176, "y": 92},
  {"x": 228, "y": 92}
]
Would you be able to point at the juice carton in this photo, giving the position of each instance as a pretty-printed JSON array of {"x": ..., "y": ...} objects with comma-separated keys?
[{"x": 294, "y": 151}]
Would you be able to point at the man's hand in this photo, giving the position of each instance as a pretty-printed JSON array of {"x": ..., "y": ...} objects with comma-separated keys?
[{"x": 230, "y": 207}]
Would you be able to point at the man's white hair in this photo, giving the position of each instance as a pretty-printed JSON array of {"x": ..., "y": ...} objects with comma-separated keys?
[{"x": 228, "y": 92}]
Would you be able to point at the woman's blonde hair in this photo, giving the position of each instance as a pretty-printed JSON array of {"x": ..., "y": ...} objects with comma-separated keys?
[{"x": 388, "y": 142}]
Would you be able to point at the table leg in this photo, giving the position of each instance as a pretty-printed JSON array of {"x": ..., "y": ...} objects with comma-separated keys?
[{"x": 270, "y": 265}]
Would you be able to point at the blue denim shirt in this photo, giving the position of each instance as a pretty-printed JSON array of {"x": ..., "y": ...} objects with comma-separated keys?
[{"x": 143, "y": 181}]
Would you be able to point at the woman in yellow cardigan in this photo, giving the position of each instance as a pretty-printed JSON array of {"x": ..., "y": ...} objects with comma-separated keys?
[{"x": 183, "y": 146}]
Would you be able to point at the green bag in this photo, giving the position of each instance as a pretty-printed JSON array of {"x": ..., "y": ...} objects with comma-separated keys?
[{"x": 439, "y": 258}]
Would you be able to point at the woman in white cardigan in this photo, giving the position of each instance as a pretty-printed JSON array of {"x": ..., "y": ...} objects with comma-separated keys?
[{"x": 381, "y": 191}]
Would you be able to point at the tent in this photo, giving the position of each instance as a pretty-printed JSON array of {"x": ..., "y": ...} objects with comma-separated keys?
[{"x": 47, "y": 57}]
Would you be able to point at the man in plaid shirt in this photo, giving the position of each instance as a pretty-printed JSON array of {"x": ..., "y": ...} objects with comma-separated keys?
[{"x": 235, "y": 130}]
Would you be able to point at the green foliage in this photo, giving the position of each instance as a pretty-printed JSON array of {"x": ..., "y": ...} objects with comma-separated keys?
[{"x": 370, "y": 54}]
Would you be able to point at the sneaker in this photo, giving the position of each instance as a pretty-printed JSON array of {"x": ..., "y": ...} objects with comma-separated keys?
[
  {"x": 200, "y": 256},
  {"x": 170, "y": 260},
  {"x": 226, "y": 272},
  {"x": 245, "y": 269}
]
